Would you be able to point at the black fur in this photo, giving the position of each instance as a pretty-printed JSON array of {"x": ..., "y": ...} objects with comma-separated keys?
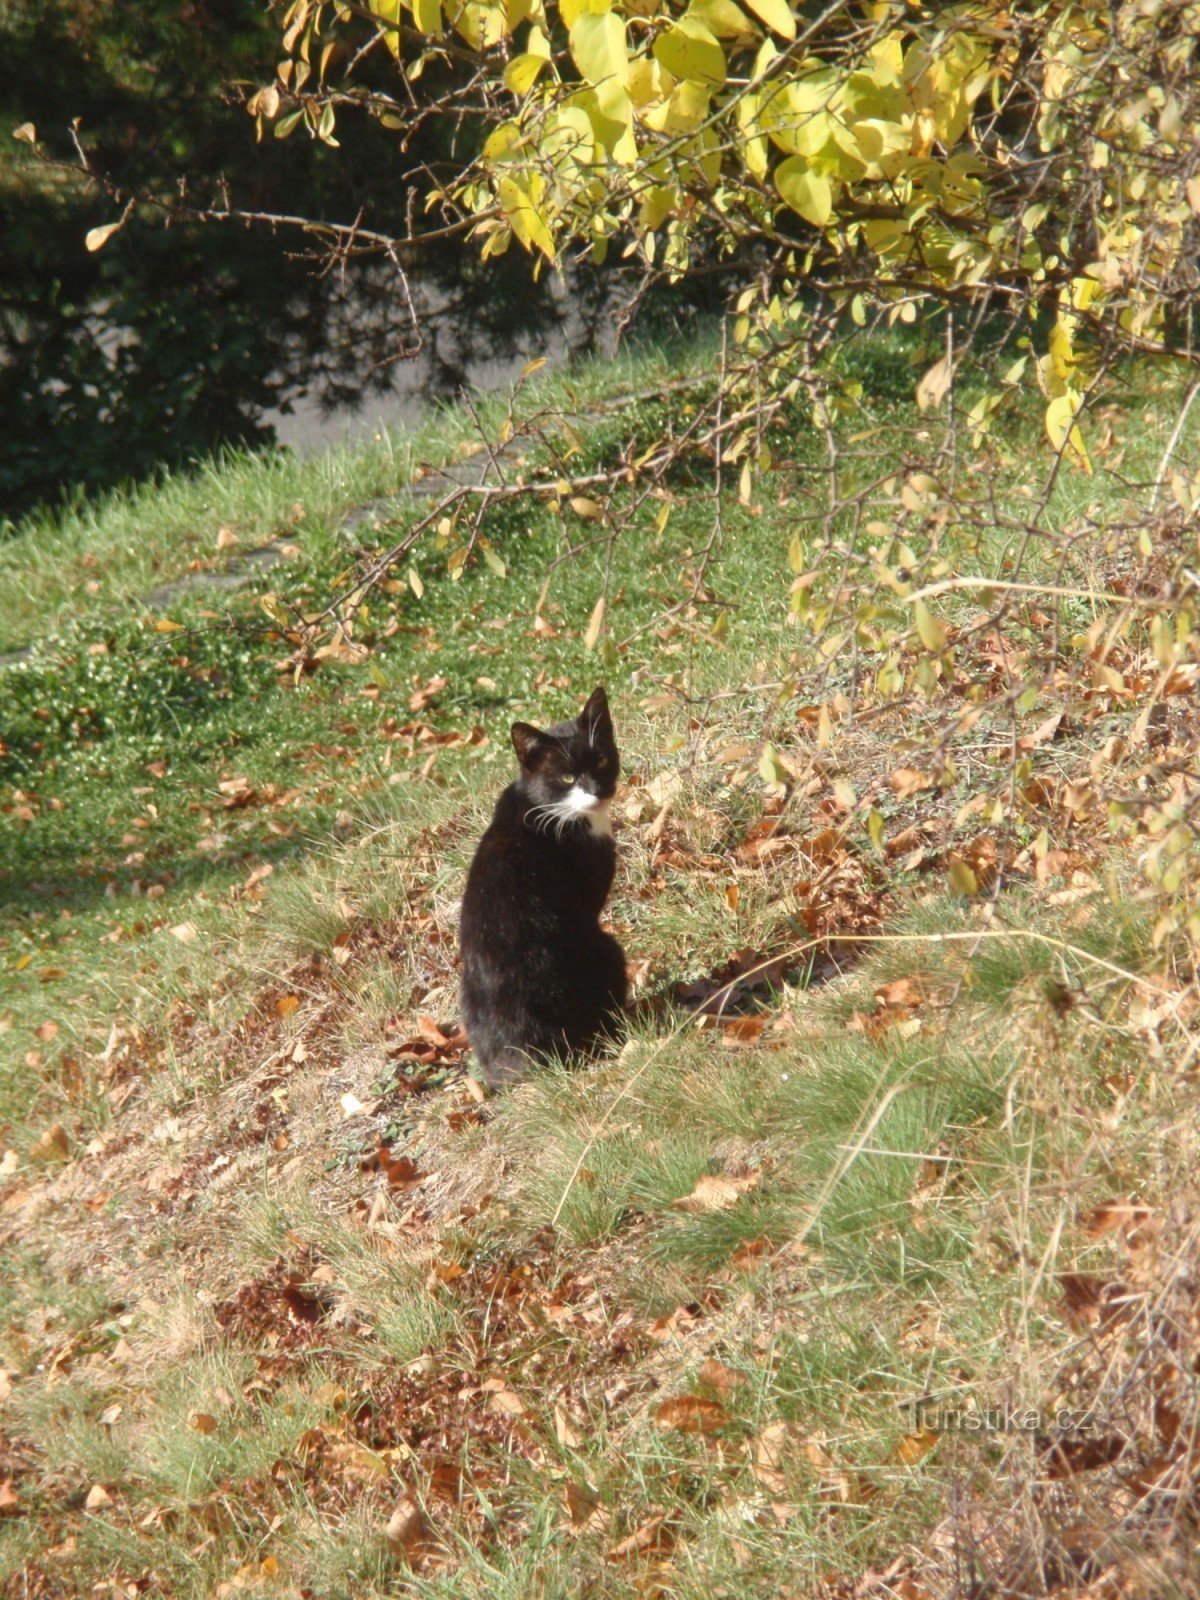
[{"x": 540, "y": 976}]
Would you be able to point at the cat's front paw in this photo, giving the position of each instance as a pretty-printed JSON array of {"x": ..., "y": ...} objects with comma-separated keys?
[{"x": 504, "y": 1069}]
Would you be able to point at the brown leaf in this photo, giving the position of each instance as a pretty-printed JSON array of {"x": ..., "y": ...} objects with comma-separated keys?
[
  {"x": 54, "y": 1145},
  {"x": 907, "y": 781},
  {"x": 584, "y": 1506},
  {"x": 1042, "y": 734},
  {"x": 690, "y": 1414},
  {"x": 720, "y": 1377},
  {"x": 287, "y": 1006},
  {"x": 748, "y": 1255},
  {"x": 1111, "y": 1215},
  {"x": 303, "y": 1306},
  {"x": 420, "y": 698},
  {"x": 408, "y": 1533},
  {"x": 915, "y": 1446},
  {"x": 1090, "y": 1301},
  {"x": 742, "y": 1030},
  {"x": 565, "y": 1430},
  {"x": 1069, "y": 1456},
  {"x": 770, "y": 1452},
  {"x": 97, "y": 1496},
  {"x": 654, "y": 1535},
  {"x": 506, "y": 1403},
  {"x": 903, "y": 994},
  {"x": 715, "y": 1192},
  {"x": 8, "y": 1498}
]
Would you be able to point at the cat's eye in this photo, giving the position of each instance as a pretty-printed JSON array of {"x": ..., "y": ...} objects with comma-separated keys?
[{"x": 567, "y": 777}]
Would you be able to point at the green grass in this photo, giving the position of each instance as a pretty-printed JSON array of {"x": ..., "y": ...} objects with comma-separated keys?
[{"x": 905, "y": 1189}]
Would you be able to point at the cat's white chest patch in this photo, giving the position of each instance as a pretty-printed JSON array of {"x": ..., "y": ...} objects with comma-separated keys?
[{"x": 593, "y": 810}]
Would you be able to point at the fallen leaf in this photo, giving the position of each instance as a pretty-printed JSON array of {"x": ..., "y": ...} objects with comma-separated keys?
[
  {"x": 286, "y": 1006},
  {"x": 915, "y": 1446},
  {"x": 690, "y": 1414},
  {"x": 1042, "y": 734},
  {"x": 564, "y": 1429},
  {"x": 715, "y": 1192},
  {"x": 54, "y": 1145},
  {"x": 185, "y": 932},
  {"x": 585, "y": 1507},
  {"x": 907, "y": 781},
  {"x": 720, "y": 1377},
  {"x": 1110, "y": 1215},
  {"x": 653, "y": 1535},
  {"x": 97, "y": 1496},
  {"x": 408, "y": 1532},
  {"x": 504, "y": 1403}
]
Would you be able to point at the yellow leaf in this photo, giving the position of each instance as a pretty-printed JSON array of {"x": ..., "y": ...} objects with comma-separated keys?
[
  {"x": 165, "y": 625},
  {"x": 1061, "y": 429},
  {"x": 427, "y": 15},
  {"x": 935, "y": 385},
  {"x": 590, "y": 510},
  {"x": 776, "y": 15},
  {"x": 522, "y": 72},
  {"x": 414, "y": 582},
  {"x": 27, "y": 134},
  {"x": 770, "y": 767},
  {"x": 524, "y": 218},
  {"x": 688, "y": 50},
  {"x": 932, "y": 634},
  {"x": 599, "y": 50},
  {"x": 807, "y": 192},
  {"x": 723, "y": 18},
  {"x": 97, "y": 238},
  {"x": 595, "y": 624},
  {"x": 388, "y": 12},
  {"x": 962, "y": 879}
]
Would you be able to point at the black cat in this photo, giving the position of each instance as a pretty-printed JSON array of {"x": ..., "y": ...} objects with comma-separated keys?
[{"x": 540, "y": 976}]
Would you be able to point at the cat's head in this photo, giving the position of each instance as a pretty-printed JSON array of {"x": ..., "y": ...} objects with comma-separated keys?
[{"x": 569, "y": 771}]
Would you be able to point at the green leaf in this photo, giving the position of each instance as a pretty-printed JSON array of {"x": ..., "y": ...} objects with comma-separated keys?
[
  {"x": 806, "y": 191},
  {"x": 494, "y": 561},
  {"x": 689, "y": 51}
]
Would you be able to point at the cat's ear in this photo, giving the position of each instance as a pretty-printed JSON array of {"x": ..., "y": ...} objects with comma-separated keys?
[
  {"x": 595, "y": 715},
  {"x": 528, "y": 742}
]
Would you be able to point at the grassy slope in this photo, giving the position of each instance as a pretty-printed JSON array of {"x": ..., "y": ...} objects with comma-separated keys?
[{"x": 247, "y": 1337}]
